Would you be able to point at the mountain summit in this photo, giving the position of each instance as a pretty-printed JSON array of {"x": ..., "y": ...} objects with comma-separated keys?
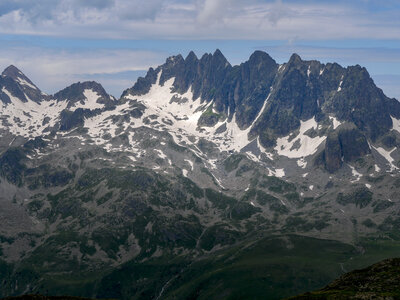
[
  {"x": 14, "y": 73},
  {"x": 19, "y": 86}
]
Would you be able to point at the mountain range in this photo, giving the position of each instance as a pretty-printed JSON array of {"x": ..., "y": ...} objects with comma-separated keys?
[{"x": 203, "y": 180}]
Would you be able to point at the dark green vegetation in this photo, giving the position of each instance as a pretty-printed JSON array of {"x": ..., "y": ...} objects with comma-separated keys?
[
  {"x": 273, "y": 268},
  {"x": 268, "y": 268},
  {"x": 361, "y": 197},
  {"x": 379, "y": 281},
  {"x": 117, "y": 237}
]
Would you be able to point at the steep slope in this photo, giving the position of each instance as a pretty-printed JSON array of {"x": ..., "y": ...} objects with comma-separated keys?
[
  {"x": 20, "y": 86},
  {"x": 259, "y": 101},
  {"x": 27, "y": 112},
  {"x": 84, "y": 100},
  {"x": 198, "y": 158}
]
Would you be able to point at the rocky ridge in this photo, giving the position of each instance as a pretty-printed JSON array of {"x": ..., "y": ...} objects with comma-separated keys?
[{"x": 199, "y": 156}]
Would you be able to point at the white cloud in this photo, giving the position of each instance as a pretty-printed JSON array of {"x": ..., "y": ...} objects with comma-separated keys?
[
  {"x": 185, "y": 20},
  {"x": 53, "y": 70},
  {"x": 199, "y": 19},
  {"x": 212, "y": 11}
]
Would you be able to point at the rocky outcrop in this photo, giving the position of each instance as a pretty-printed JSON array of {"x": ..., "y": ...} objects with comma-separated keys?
[
  {"x": 379, "y": 281},
  {"x": 344, "y": 145}
]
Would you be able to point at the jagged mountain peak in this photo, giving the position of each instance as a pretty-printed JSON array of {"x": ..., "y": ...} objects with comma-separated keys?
[
  {"x": 76, "y": 91},
  {"x": 216, "y": 58},
  {"x": 16, "y": 85},
  {"x": 191, "y": 57},
  {"x": 295, "y": 58},
  {"x": 303, "y": 90},
  {"x": 256, "y": 99},
  {"x": 13, "y": 72},
  {"x": 17, "y": 75},
  {"x": 82, "y": 100},
  {"x": 219, "y": 56},
  {"x": 259, "y": 55},
  {"x": 173, "y": 60}
]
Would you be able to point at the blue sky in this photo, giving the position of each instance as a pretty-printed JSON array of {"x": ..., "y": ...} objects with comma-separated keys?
[{"x": 58, "y": 42}]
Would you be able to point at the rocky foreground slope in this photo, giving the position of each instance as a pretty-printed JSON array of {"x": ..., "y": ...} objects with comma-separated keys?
[
  {"x": 202, "y": 180},
  {"x": 379, "y": 281}
]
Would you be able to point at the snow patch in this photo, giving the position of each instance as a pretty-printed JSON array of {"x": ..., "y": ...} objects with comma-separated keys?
[
  {"x": 179, "y": 114},
  {"x": 387, "y": 155},
  {"x": 160, "y": 154},
  {"x": 218, "y": 181},
  {"x": 340, "y": 84},
  {"x": 26, "y": 118},
  {"x": 355, "y": 174},
  {"x": 190, "y": 163},
  {"x": 302, "y": 145},
  {"x": 396, "y": 124},
  {"x": 279, "y": 173},
  {"x": 302, "y": 163},
  {"x": 91, "y": 101},
  {"x": 26, "y": 83}
]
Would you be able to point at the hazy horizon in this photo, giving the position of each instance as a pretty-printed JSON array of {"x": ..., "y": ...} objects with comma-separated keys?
[{"x": 57, "y": 43}]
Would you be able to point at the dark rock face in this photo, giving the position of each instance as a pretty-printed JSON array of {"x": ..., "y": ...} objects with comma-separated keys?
[
  {"x": 14, "y": 73},
  {"x": 251, "y": 86},
  {"x": 286, "y": 94},
  {"x": 353, "y": 144},
  {"x": 75, "y": 93},
  {"x": 209, "y": 118},
  {"x": 19, "y": 86},
  {"x": 12, "y": 87},
  {"x": 333, "y": 153},
  {"x": 290, "y": 93},
  {"x": 142, "y": 85},
  {"x": 344, "y": 144},
  {"x": 299, "y": 90},
  {"x": 359, "y": 101},
  {"x": 11, "y": 166},
  {"x": 241, "y": 89},
  {"x": 71, "y": 119}
]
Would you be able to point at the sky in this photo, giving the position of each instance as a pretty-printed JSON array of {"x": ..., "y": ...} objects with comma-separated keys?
[{"x": 59, "y": 42}]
